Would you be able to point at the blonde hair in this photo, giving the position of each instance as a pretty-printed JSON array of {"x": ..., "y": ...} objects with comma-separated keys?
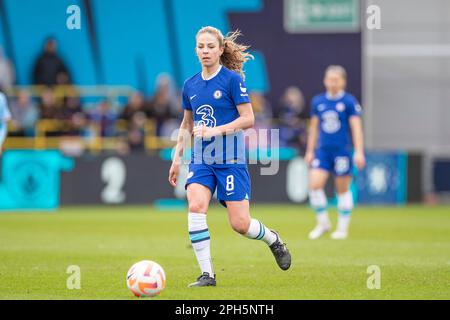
[
  {"x": 234, "y": 54},
  {"x": 337, "y": 69}
]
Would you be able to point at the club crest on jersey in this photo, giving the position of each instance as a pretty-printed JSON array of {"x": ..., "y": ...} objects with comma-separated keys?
[
  {"x": 340, "y": 107},
  {"x": 217, "y": 94}
]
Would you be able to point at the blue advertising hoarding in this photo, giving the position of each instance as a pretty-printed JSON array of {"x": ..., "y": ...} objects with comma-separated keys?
[
  {"x": 31, "y": 179},
  {"x": 383, "y": 180}
]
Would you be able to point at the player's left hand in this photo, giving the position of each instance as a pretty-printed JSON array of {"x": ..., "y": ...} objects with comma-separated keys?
[
  {"x": 205, "y": 132},
  {"x": 359, "y": 159}
]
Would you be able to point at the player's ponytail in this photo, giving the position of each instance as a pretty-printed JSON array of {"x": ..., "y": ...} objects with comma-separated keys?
[{"x": 234, "y": 54}]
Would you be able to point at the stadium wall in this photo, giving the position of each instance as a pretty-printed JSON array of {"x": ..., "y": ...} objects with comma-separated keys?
[{"x": 407, "y": 68}]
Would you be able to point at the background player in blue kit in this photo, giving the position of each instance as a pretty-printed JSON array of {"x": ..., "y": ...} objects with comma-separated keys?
[
  {"x": 216, "y": 110},
  {"x": 335, "y": 142},
  {"x": 5, "y": 116}
]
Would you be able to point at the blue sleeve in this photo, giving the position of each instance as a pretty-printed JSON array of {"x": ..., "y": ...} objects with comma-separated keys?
[
  {"x": 353, "y": 107},
  {"x": 238, "y": 90},
  {"x": 186, "y": 103},
  {"x": 314, "y": 112}
]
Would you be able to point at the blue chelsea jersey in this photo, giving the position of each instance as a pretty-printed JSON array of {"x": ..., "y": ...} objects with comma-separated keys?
[
  {"x": 334, "y": 114},
  {"x": 213, "y": 102}
]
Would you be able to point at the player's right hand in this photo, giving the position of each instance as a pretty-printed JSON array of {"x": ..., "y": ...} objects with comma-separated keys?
[
  {"x": 309, "y": 157},
  {"x": 173, "y": 173}
]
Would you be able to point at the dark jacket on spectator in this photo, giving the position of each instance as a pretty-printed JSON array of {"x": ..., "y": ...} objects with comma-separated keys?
[{"x": 47, "y": 69}]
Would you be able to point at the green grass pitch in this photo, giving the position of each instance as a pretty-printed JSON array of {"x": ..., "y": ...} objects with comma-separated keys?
[{"x": 411, "y": 245}]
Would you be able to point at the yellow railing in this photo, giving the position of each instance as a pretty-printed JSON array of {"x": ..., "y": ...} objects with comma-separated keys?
[{"x": 96, "y": 143}]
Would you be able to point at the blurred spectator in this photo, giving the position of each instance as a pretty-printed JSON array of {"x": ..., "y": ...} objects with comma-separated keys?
[
  {"x": 78, "y": 125},
  {"x": 293, "y": 117},
  {"x": 24, "y": 114},
  {"x": 74, "y": 115},
  {"x": 71, "y": 106},
  {"x": 104, "y": 119},
  {"x": 136, "y": 132},
  {"x": 49, "y": 69},
  {"x": 47, "y": 107},
  {"x": 164, "y": 104},
  {"x": 263, "y": 121},
  {"x": 122, "y": 147},
  {"x": 135, "y": 104},
  {"x": 262, "y": 110},
  {"x": 7, "y": 76}
]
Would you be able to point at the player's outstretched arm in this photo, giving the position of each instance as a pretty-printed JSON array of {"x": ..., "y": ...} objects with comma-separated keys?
[
  {"x": 245, "y": 120},
  {"x": 358, "y": 141},
  {"x": 184, "y": 138},
  {"x": 312, "y": 139}
]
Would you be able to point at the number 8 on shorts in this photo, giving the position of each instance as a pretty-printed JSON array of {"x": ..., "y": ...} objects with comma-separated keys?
[{"x": 229, "y": 183}]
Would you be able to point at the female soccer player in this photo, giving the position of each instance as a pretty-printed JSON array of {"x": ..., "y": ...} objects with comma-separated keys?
[
  {"x": 216, "y": 110},
  {"x": 5, "y": 116},
  {"x": 335, "y": 130}
]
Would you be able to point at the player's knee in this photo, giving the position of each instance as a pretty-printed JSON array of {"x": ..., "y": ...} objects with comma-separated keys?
[
  {"x": 315, "y": 184},
  {"x": 196, "y": 205},
  {"x": 240, "y": 225}
]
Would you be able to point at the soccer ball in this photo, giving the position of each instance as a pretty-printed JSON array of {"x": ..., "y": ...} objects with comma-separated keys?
[{"x": 146, "y": 279}]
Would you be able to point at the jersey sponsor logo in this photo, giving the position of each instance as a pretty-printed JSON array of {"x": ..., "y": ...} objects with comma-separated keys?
[
  {"x": 190, "y": 98},
  {"x": 217, "y": 94},
  {"x": 340, "y": 107},
  {"x": 207, "y": 116},
  {"x": 243, "y": 89},
  {"x": 358, "y": 108},
  {"x": 330, "y": 121}
]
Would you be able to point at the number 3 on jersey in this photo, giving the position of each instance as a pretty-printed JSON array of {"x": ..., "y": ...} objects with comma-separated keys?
[{"x": 207, "y": 113}]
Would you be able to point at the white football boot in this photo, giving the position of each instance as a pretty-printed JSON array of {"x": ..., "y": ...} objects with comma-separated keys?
[
  {"x": 319, "y": 231},
  {"x": 323, "y": 226},
  {"x": 339, "y": 235},
  {"x": 341, "y": 232}
]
